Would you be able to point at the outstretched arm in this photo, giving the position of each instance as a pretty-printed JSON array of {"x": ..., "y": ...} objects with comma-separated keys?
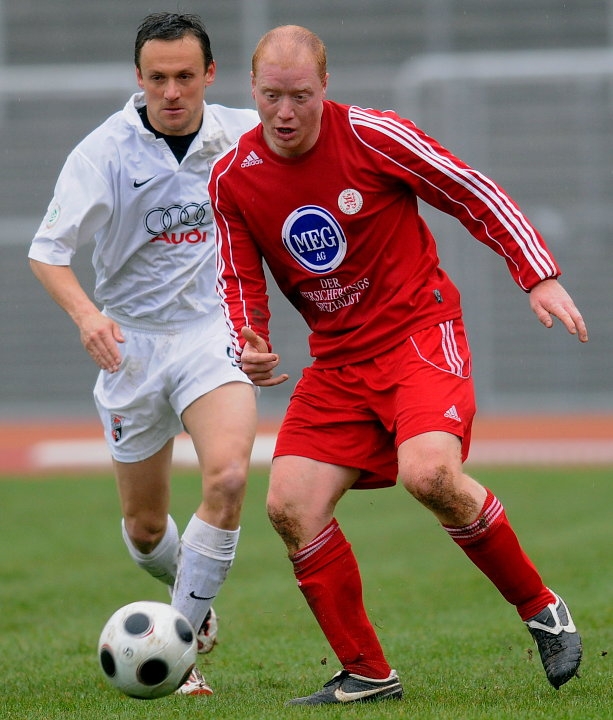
[
  {"x": 548, "y": 299},
  {"x": 99, "y": 334}
]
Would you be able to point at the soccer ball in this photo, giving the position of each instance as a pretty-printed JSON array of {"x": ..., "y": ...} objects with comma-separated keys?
[{"x": 147, "y": 649}]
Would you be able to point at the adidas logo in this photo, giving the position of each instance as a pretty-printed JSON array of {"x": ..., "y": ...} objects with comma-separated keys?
[
  {"x": 452, "y": 414},
  {"x": 251, "y": 160}
]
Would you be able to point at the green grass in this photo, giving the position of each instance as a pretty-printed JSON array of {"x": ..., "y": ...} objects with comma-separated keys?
[{"x": 460, "y": 649}]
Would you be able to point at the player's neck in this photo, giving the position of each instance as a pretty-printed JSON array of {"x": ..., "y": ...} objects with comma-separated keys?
[{"x": 178, "y": 144}]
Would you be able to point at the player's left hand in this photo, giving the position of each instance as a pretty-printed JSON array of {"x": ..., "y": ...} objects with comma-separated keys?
[{"x": 548, "y": 299}]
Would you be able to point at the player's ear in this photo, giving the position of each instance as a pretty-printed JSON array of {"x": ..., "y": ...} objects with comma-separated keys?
[
  {"x": 209, "y": 75},
  {"x": 139, "y": 78},
  {"x": 325, "y": 83}
]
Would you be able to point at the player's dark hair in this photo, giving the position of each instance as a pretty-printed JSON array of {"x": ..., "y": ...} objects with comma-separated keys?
[{"x": 172, "y": 26}]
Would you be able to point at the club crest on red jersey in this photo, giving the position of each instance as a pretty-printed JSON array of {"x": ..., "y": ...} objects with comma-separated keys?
[
  {"x": 350, "y": 201},
  {"x": 314, "y": 239}
]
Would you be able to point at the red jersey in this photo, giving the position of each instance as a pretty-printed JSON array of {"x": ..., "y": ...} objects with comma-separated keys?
[{"x": 340, "y": 230}]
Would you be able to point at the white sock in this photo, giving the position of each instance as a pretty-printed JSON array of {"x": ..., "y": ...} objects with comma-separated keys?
[
  {"x": 206, "y": 556},
  {"x": 161, "y": 563}
]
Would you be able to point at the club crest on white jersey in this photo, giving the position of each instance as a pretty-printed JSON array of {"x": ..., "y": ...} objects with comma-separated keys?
[
  {"x": 53, "y": 214},
  {"x": 314, "y": 239}
]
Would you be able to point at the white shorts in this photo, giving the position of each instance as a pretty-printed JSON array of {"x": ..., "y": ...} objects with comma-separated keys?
[{"x": 161, "y": 374}]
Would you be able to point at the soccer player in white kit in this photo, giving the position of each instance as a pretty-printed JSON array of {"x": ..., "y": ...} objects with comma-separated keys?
[{"x": 137, "y": 186}]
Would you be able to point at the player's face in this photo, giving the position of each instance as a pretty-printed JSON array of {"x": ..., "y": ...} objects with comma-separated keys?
[
  {"x": 174, "y": 79},
  {"x": 289, "y": 96}
]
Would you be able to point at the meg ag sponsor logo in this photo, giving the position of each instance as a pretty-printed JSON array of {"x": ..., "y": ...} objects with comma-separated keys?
[{"x": 314, "y": 239}]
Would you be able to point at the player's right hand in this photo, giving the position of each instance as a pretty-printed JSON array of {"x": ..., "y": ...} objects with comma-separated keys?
[
  {"x": 100, "y": 335},
  {"x": 258, "y": 363}
]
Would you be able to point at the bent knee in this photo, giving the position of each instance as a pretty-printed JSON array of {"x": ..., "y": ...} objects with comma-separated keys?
[
  {"x": 145, "y": 533},
  {"x": 434, "y": 486},
  {"x": 453, "y": 497},
  {"x": 227, "y": 483},
  {"x": 286, "y": 522},
  {"x": 279, "y": 511}
]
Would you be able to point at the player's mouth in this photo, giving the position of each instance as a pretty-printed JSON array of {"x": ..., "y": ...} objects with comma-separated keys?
[
  {"x": 285, "y": 132},
  {"x": 173, "y": 111}
]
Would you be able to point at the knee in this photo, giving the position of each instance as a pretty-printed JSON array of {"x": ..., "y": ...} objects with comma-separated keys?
[
  {"x": 433, "y": 485},
  {"x": 452, "y": 496},
  {"x": 285, "y": 522},
  {"x": 279, "y": 512},
  {"x": 227, "y": 483},
  {"x": 144, "y": 532}
]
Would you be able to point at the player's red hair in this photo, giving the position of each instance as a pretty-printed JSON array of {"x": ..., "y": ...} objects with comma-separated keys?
[{"x": 288, "y": 40}]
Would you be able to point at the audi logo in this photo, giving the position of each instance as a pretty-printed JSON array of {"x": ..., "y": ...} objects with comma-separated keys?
[{"x": 160, "y": 219}]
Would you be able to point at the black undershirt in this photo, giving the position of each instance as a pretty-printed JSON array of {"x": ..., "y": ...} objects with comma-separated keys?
[{"x": 178, "y": 144}]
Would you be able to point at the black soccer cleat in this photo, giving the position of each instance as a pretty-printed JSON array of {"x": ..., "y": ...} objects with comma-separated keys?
[
  {"x": 346, "y": 687},
  {"x": 558, "y": 642}
]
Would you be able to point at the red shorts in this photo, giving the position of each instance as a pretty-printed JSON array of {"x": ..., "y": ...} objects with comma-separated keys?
[{"x": 357, "y": 415}]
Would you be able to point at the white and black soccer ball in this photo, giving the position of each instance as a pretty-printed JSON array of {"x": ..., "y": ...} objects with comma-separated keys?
[{"x": 147, "y": 649}]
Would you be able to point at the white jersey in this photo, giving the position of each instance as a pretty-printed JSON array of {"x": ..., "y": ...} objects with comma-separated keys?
[{"x": 149, "y": 216}]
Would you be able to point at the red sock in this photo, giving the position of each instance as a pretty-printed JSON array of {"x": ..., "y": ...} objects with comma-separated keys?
[
  {"x": 329, "y": 578},
  {"x": 493, "y": 547}
]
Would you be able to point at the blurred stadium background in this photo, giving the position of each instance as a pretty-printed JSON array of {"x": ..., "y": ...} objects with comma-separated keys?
[{"x": 521, "y": 89}]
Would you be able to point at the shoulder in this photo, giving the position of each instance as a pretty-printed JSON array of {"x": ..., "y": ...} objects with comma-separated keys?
[
  {"x": 239, "y": 150},
  {"x": 376, "y": 119},
  {"x": 112, "y": 137},
  {"x": 356, "y": 119},
  {"x": 235, "y": 121},
  {"x": 382, "y": 129}
]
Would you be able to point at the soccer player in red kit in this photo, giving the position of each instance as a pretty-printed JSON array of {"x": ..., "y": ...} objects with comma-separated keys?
[{"x": 326, "y": 195}]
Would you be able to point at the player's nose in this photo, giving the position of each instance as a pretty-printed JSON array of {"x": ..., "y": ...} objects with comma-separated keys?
[
  {"x": 285, "y": 109},
  {"x": 171, "y": 90}
]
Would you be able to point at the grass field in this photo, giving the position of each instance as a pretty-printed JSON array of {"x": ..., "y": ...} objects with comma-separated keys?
[{"x": 460, "y": 650}]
